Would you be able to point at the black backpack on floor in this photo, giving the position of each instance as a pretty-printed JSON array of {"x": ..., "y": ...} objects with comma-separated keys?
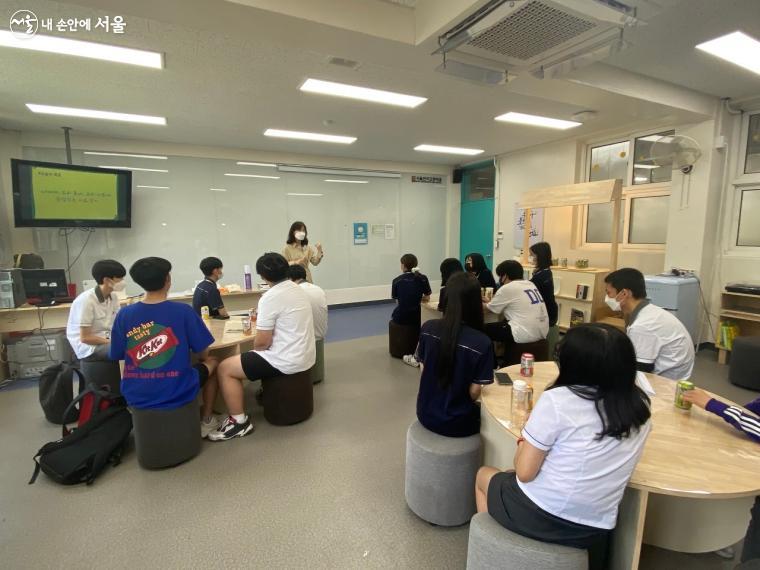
[
  {"x": 57, "y": 392},
  {"x": 80, "y": 455}
]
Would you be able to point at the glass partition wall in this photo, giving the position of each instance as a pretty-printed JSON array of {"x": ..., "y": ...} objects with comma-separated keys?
[{"x": 186, "y": 208}]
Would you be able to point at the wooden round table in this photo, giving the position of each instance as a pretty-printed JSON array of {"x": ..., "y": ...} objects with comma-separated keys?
[
  {"x": 691, "y": 490},
  {"x": 228, "y": 334}
]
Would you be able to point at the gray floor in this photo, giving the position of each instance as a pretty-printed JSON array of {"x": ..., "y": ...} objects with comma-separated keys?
[{"x": 328, "y": 493}]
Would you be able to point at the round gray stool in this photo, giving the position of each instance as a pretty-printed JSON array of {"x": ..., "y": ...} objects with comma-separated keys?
[
  {"x": 164, "y": 438},
  {"x": 744, "y": 367},
  {"x": 440, "y": 475},
  {"x": 492, "y": 546}
]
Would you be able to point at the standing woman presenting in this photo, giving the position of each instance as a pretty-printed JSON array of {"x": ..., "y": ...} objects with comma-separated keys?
[{"x": 297, "y": 250}]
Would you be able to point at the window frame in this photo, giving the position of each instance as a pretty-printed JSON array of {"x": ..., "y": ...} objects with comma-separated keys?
[
  {"x": 630, "y": 192},
  {"x": 741, "y": 181}
]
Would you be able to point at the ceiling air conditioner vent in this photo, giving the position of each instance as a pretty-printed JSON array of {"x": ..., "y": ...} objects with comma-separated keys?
[{"x": 531, "y": 30}]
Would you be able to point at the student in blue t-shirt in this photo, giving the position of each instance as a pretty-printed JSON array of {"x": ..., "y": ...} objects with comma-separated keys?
[
  {"x": 206, "y": 293},
  {"x": 154, "y": 338},
  {"x": 456, "y": 358}
]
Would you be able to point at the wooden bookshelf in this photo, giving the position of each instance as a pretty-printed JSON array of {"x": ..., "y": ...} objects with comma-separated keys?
[
  {"x": 742, "y": 309},
  {"x": 593, "y": 306}
]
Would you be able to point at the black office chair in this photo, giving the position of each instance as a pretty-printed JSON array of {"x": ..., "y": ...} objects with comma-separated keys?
[{"x": 28, "y": 261}]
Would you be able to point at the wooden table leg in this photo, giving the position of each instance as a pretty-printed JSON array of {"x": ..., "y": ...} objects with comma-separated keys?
[
  {"x": 625, "y": 548},
  {"x": 722, "y": 356}
]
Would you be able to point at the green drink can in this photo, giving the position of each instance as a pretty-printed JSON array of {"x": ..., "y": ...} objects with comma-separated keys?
[{"x": 681, "y": 387}]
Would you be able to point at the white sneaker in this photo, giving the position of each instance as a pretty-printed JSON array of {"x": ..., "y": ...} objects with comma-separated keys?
[
  {"x": 212, "y": 425},
  {"x": 411, "y": 360},
  {"x": 727, "y": 553}
]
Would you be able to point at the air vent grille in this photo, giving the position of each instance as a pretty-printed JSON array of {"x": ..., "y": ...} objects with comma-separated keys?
[
  {"x": 531, "y": 30},
  {"x": 343, "y": 62}
]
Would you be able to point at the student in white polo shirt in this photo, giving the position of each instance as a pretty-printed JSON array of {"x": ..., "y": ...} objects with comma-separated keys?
[
  {"x": 663, "y": 345},
  {"x": 317, "y": 298},
  {"x": 284, "y": 344},
  {"x": 521, "y": 305},
  {"x": 578, "y": 449},
  {"x": 90, "y": 321}
]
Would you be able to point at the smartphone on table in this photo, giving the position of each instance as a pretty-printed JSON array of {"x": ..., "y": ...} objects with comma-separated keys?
[{"x": 503, "y": 379}]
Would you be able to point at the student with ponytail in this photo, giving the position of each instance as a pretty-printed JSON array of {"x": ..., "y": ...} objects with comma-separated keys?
[
  {"x": 409, "y": 290},
  {"x": 456, "y": 358}
]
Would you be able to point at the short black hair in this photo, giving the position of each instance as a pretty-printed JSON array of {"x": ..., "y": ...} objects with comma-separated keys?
[
  {"x": 107, "y": 268},
  {"x": 543, "y": 252},
  {"x": 511, "y": 268},
  {"x": 296, "y": 272},
  {"x": 409, "y": 261},
  {"x": 628, "y": 278},
  {"x": 150, "y": 272},
  {"x": 272, "y": 267},
  {"x": 208, "y": 264}
]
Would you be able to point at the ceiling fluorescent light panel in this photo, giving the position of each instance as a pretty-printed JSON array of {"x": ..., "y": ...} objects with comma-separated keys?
[
  {"x": 448, "y": 149},
  {"x": 361, "y": 93},
  {"x": 95, "y": 114},
  {"x": 79, "y": 48}
]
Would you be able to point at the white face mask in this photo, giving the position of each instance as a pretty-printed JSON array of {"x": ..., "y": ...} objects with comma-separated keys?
[
  {"x": 531, "y": 260},
  {"x": 300, "y": 236},
  {"x": 120, "y": 286},
  {"x": 612, "y": 303}
]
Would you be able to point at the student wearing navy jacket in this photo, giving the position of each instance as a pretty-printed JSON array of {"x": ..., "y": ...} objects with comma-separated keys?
[
  {"x": 409, "y": 290},
  {"x": 457, "y": 360},
  {"x": 749, "y": 423},
  {"x": 543, "y": 279},
  {"x": 449, "y": 267},
  {"x": 475, "y": 263}
]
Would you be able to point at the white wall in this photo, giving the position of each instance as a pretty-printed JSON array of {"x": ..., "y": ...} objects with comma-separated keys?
[
  {"x": 537, "y": 167},
  {"x": 189, "y": 222}
]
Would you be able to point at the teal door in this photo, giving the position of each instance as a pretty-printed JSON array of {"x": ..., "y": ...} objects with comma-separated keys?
[{"x": 476, "y": 216}]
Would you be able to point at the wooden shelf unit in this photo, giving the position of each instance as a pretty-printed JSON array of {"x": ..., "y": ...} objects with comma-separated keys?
[
  {"x": 593, "y": 305},
  {"x": 744, "y": 310}
]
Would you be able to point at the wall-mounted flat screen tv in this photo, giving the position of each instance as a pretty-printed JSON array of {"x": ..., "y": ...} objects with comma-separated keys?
[{"x": 47, "y": 194}]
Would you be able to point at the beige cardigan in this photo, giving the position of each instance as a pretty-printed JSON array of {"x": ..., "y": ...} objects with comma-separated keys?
[{"x": 294, "y": 253}]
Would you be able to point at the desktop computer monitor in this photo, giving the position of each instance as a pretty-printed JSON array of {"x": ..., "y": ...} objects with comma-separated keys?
[{"x": 45, "y": 285}]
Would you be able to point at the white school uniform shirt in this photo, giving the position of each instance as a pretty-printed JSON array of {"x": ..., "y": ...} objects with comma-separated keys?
[
  {"x": 660, "y": 338},
  {"x": 285, "y": 310},
  {"x": 91, "y": 309},
  {"x": 318, "y": 301},
  {"x": 523, "y": 306},
  {"x": 582, "y": 478}
]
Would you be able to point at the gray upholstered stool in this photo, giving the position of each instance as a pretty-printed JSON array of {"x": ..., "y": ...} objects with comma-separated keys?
[
  {"x": 744, "y": 367},
  {"x": 102, "y": 373},
  {"x": 318, "y": 370},
  {"x": 164, "y": 438},
  {"x": 440, "y": 475},
  {"x": 492, "y": 546},
  {"x": 402, "y": 339}
]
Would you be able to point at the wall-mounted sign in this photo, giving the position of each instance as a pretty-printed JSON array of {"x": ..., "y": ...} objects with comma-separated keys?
[
  {"x": 536, "y": 226},
  {"x": 360, "y": 233},
  {"x": 427, "y": 179}
]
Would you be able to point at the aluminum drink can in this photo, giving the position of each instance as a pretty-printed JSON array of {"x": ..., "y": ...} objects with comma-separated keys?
[
  {"x": 247, "y": 326},
  {"x": 205, "y": 315},
  {"x": 526, "y": 364},
  {"x": 681, "y": 387}
]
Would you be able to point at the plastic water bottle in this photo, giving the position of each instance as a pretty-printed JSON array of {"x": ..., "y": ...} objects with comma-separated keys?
[{"x": 247, "y": 277}]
